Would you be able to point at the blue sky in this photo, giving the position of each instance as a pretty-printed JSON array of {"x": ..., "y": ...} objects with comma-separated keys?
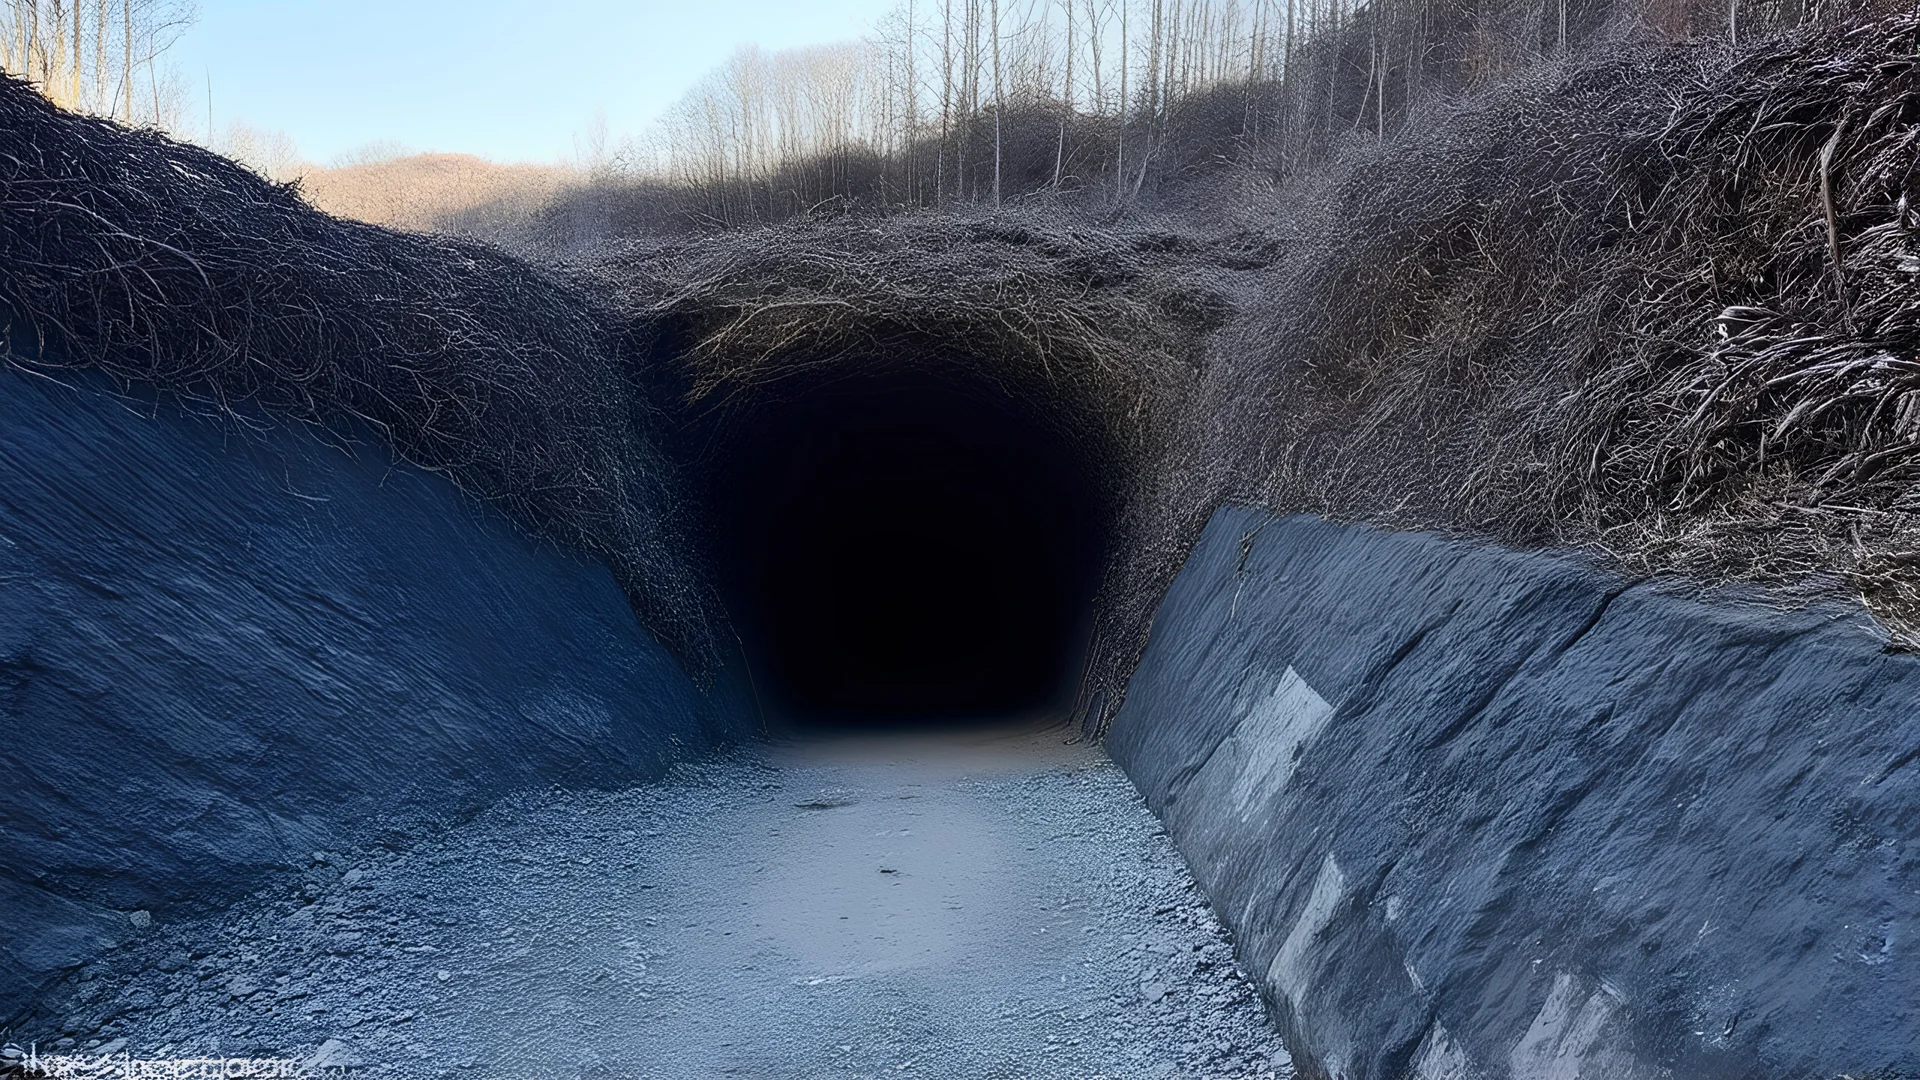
[{"x": 509, "y": 79}]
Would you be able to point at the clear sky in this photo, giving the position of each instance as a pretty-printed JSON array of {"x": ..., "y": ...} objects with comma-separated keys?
[{"x": 513, "y": 80}]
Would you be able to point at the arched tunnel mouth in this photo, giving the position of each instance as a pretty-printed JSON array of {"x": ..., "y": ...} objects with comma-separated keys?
[{"x": 905, "y": 548}]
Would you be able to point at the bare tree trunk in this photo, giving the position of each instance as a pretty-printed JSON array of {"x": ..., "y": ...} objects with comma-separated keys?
[
  {"x": 1249, "y": 115},
  {"x": 999, "y": 103},
  {"x": 1171, "y": 55},
  {"x": 126, "y": 70},
  {"x": 1060, "y": 147},
  {"x": 100, "y": 23},
  {"x": 971, "y": 88},
  {"x": 33, "y": 42},
  {"x": 946, "y": 103},
  {"x": 913, "y": 108},
  {"x": 1286, "y": 90},
  {"x": 1120, "y": 148},
  {"x": 79, "y": 64},
  {"x": 1366, "y": 92},
  {"x": 1059, "y": 151},
  {"x": 1156, "y": 33},
  {"x": 886, "y": 127},
  {"x": 1094, "y": 35}
]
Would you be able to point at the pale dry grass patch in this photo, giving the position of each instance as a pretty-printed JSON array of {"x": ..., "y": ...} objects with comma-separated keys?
[{"x": 452, "y": 193}]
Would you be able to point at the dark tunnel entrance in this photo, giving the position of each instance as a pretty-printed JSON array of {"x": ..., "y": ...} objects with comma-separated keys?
[{"x": 905, "y": 549}]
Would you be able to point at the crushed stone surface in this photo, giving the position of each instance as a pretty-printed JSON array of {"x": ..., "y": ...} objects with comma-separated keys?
[{"x": 960, "y": 905}]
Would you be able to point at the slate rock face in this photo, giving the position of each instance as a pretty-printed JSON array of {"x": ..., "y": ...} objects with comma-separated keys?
[
  {"x": 1478, "y": 813},
  {"x": 221, "y": 652}
]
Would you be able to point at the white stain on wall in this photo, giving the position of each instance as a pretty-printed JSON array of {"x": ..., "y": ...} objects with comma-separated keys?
[
  {"x": 1439, "y": 1059},
  {"x": 1291, "y": 973},
  {"x": 1257, "y": 759},
  {"x": 1573, "y": 1038}
]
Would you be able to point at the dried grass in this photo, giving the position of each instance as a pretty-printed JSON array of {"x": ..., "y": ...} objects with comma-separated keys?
[
  {"x": 447, "y": 193},
  {"x": 1063, "y": 309}
]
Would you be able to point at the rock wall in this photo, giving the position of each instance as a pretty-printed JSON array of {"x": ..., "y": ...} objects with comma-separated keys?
[
  {"x": 1477, "y": 813},
  {"x": 221, "y": 651}
]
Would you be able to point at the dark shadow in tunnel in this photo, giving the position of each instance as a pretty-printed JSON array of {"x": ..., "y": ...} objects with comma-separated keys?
[{"x": 902, "y": 549}]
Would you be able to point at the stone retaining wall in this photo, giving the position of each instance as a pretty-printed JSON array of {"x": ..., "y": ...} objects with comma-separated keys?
[{"x": 1478, "y": 813}]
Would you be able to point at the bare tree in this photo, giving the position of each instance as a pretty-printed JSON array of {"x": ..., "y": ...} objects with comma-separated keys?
[
  {"x": 781, "y": 131},
  {"x": 270, "y": 153},
  {"x": 102, "y": 34},
  {"x": 911, "y": 135},
  {"x": 946, "y": 102},
  {"x": 1120, "y": 148},
  {"x": 1066, "y": 82},
  {"x": 1156, "y": 38},
  {"x": 126, "y": 56},
  {"x": 999, "y": 102},
  {"x": 47, "y": 43},
  {"x": 1096, "y": 34},
  {"x": 969, "y": 92}
]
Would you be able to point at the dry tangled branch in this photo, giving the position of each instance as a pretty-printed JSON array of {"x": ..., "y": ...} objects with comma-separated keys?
[{"x": 1029, "y": 305}]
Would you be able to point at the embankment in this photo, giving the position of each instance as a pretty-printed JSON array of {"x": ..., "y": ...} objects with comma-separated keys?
[
  {"x": 223, "y": 649},
  {"x": 1479, "y": 813}
]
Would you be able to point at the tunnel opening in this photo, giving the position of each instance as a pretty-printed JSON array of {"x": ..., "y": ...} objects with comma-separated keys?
[{"x": 905, "y": 548}]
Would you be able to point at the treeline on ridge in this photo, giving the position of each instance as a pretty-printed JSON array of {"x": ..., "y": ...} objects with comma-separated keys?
[{"x": 1101, "y": 102}]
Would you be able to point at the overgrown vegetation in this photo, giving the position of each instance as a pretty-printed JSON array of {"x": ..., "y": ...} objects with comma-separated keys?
[
  {"x": 1660, "y": 303},
  {"x": 1653, "y": 299},
  {"x": 1071, "y": 311}
]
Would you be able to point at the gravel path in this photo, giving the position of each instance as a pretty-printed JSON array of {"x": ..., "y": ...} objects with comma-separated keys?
[{"x": 983, "y": 905}]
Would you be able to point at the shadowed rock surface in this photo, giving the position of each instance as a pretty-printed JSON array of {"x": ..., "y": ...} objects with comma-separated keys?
[
  {"x": 1476, "y": 813},
  {"x": 221, "y": 651}
]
